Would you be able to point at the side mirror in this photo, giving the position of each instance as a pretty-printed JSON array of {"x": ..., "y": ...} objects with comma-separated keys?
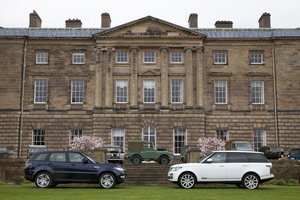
[
  {"x": 85, "y": 161},
  {"x": 209, "y": 160}
]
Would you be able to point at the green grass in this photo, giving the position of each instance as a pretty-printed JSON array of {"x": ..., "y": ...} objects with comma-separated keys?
[{"x": 63, "y": 192}]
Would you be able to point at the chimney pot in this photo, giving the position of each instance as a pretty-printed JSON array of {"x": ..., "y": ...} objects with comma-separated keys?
[
  {"x": 193, "y": 20},
  {"x": 105, "y": 20},
  {"x": 34, "y": 20},
  {"x": 223, "y": 24},
  {"x": 73, "y": 23},
  {"x": 265, "y": 20}
]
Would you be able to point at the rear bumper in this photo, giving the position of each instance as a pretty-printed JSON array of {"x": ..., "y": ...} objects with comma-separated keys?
[{"x": 266, "y": 178}]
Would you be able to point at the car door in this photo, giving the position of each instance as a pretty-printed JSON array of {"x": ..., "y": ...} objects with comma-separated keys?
[
  {"x": 82, "y": 172},
  {"x": 237, "y": 166},
  {"x": 216, "y": 170},
  {"x": 60, "y": 166}
]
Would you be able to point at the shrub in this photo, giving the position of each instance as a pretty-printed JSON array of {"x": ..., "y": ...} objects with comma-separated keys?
[
  {"x": 207, "y": 145},
  {"x": 293, "y": 182},
  {"x": 27, "y": 181},
  {"x": 281, "y": 182},
  {"x": 18, "y": 179},
  {"x": 86, "y": 144}
]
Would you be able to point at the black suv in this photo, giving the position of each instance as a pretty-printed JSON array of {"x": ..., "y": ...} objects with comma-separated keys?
[{"x": 47, "y": 169}]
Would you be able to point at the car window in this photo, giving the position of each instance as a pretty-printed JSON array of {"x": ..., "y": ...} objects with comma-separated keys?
[
  {"x": 255, "y": 157},
  {"x": 295, "y": 152},
  {"x": 76, "y": 157},
  {"x": 58, "y": 157},
  {"x": 236, "y": 158},
  {"x": 41, "y": 157},
  {"x": 219, "y": 157}
]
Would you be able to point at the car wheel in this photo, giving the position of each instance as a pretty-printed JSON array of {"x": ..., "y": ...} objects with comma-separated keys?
[
  {"x": 164, "y": 160},
  {"x": 107, "y": 180},
  {"x": 250, "y": 181},
  {"x": 136, "y": 160},
  {"x": 43, "y": 180},
  {"x": 187, "y": 180}
]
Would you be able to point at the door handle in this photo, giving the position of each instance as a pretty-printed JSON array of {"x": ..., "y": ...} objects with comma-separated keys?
[
  {"x": 244, "y": 165},
  {"x": 222, "y": 166}
]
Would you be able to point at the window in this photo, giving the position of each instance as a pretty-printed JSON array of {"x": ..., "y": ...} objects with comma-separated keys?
[
  {"x": 75, "y": 157},
  {"x": 176, "y": 57},
  {"x": 149, "y": 57},
  {"x": 149, "y": 134},
  {"x": 236, "y": 158},
  {"x": 222, "y": 134},
  {"x": 219, "y": 157},
  {"x": 176, "y": 87},
  {"x": 220, "y": 92},
  {"x": 77, "y": 91},
  {"x": 121, "y": 91},
  {"x": 179, "y": 140},
  {"x": 118, "y": 138},
  {"x": 41, "y": 58},
  {"x": 259, "y": 138},
  {"x": 38, "y": 137},
  {"x": 220, "y": 58},
  {"x": 122, "y": 57},
  {"x": 149, "y": 91},
  {"x": 256, "y": 58},
  {"x": 257, "y": 92},
  {"x": 40, "y": 94},
  {"x": 78, "y": 58},
  {"x": 74, "y": 133},
  {"x": 57, "y": 157}
]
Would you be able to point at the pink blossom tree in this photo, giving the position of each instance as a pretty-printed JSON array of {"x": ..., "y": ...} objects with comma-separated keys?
[
  {"x": 207, "y": 145},
  {"x": 86, "y": 144}
]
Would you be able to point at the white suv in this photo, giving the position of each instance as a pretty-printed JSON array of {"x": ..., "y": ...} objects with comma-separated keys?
[{"x": 242, "y": 168}]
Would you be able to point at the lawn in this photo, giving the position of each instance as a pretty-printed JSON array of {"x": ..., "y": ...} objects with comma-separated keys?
[{"x": 63, "y": 192}]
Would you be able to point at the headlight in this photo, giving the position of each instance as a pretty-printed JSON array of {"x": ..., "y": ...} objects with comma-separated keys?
[
  {"x": 175, "y": 168},
  {"x": 119, "y": 168}
]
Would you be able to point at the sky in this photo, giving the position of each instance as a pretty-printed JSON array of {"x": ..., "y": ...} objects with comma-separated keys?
[{"x": 243, "y": 13}]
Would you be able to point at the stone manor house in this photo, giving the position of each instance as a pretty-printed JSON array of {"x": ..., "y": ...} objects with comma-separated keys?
[{"x": 149, "y": 79}]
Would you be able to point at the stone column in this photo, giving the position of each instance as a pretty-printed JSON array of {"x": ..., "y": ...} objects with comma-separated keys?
[
  {"x": 189, "y": 92},
  {"x": 164, "y": 56},
  {"x": 98, "y": 78},
  {"x": 109, "y": 89},
  {"x": 199, "y": 77},
  {"x": 133, "y": 77}
]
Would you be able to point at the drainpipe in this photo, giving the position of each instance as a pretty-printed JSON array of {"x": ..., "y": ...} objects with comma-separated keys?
[
  {"x": 275, "y": 95},
  {"x": 22, "y": 99}
]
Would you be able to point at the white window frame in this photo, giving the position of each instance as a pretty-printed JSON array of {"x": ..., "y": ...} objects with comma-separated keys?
[
  {"x": 218, "y": 58},
  {"x": 180, "y": 97},
  {"x": 38, "y": 137},
  {"x": 40, "y": 91},
  {"x": 184, "y": 142},
  {"x": 122, "y": 57},
  {"x": 147, "y": 93},
  {"x": 256, "y": 58},
  {"x": 260, "y": 99},
  {"x": 42, "y": 58},
  {"x": 74, "y": 133},
  {"x": 121, "y": 98},
  {"x": 256, "y": 143},
  {"x": 176, "y": 57},
  {"x": 78, "y": 90},
  {"x": 78, "y": 58},
  {"x": 149, "y": 135},
  {"x": 220, "y": 134},
  {"x": 120, "y": 133},
  {"x": 220, "y": 84},
  {"x": 149, "y": 57}
]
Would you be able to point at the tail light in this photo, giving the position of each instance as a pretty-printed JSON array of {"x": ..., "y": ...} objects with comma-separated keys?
[
  {"x": 270, "y": 166},
  {"x": 28, "y": 164}
]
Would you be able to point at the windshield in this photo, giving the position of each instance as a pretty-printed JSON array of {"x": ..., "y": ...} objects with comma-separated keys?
[
  {"x": 204, "y": 157},
  {"x": 36, "y": 149},
  {"x": 245, "y": 145},
  {"x": 113, "y": 149},
  {"x": 276, "y": 149}
]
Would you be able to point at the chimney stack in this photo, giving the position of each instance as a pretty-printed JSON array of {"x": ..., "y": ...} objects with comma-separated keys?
[
  {"x": 34, "y": 20},
  {"x": 223, "y": 24},
  {"x": 105, "y": 20},
  {"x": 193, "y": 20},
  {"x": 75, "y": 23},
  {"x": 265, "y": 20}
]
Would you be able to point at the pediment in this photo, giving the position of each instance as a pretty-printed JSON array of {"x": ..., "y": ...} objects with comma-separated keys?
[
  {"x": 149, "y": 27},
  {"x": 149, "y": 72}
]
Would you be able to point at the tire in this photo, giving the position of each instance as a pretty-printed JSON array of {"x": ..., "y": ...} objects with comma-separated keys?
[
  {"x": 250, "y": 181},
  {"x": 107, "y": 181},
  {"x": 187, "y": 180},
  {"x": 43, "y": 180},
  {"x": 164, "y": 160},
  {"x": 136, "y": 160}
]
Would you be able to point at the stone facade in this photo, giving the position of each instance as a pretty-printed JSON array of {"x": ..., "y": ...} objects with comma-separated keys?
[{"x": 172, "y": 122}]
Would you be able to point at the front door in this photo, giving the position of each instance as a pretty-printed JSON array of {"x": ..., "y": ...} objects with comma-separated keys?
[{"x": 216, "y": 170}]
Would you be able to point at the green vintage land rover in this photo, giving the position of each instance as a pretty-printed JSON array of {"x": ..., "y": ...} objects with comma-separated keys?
[{"x": 139, "y": 150}]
